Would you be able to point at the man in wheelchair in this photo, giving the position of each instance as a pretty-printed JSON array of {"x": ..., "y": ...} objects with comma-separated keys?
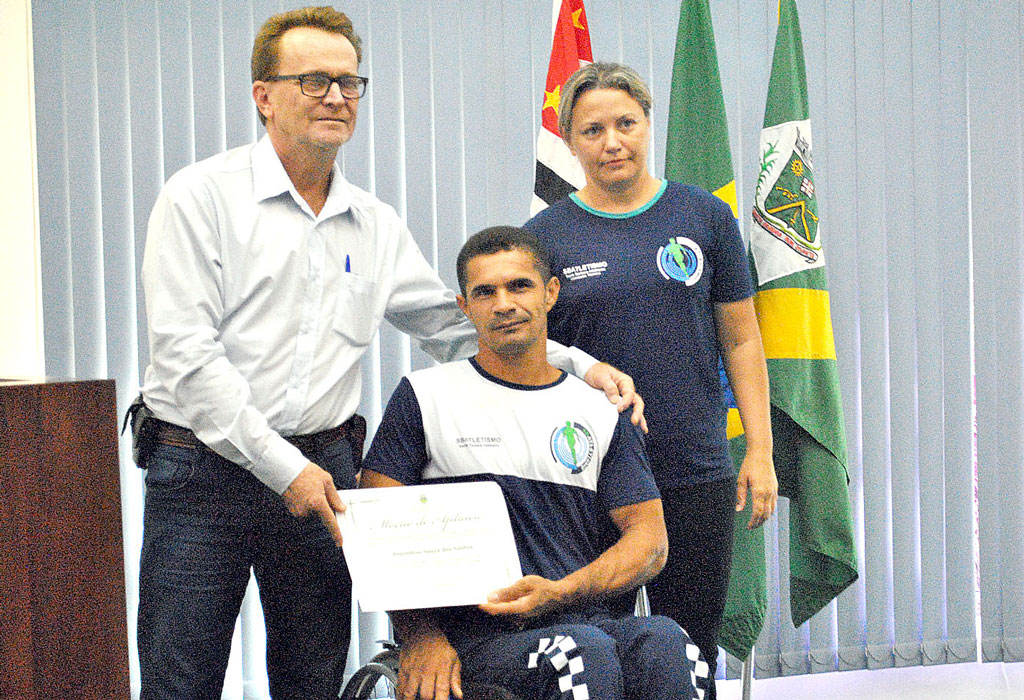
[{"x": 571, "y": 469}]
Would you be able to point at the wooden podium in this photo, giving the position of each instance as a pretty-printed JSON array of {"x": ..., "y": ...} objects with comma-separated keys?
[{"x": 62, "y": 602}]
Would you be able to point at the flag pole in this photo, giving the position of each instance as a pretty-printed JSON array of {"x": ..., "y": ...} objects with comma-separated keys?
[{"x": 748, "y": 675}]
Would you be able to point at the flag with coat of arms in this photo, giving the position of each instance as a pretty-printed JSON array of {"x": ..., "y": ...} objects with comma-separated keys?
[
  {"x": 558, "y": 172},
  {"x": 792, "y": 302},
  {"x": 793, "y": 311}
]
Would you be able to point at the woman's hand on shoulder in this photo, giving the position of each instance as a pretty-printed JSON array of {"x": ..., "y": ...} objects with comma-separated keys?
[{"x": 620, "y": 390}]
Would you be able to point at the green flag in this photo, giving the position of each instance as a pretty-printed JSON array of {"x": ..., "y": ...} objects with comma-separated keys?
[
  {"x": 697, "y": 147},
  {"x": 697, "y": 153},
  {"x": 792, "y": 304}
]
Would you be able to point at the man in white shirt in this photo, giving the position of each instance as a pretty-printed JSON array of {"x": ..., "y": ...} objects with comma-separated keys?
[{"x": 266, "y": 277}]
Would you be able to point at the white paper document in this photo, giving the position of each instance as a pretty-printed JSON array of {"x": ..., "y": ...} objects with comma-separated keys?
[{"x": 427, "y": 546}]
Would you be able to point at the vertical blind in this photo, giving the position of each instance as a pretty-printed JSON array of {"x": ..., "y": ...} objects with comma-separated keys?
[
  {"x": 916, "y": 109},
  {"x": 996, "y": 101}
]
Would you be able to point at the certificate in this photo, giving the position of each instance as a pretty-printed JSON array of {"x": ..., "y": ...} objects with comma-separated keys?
[{"x": 427, "y": 546}]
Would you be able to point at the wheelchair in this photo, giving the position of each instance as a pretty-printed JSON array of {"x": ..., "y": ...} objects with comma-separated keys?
[{"x": 380, "y": 674}]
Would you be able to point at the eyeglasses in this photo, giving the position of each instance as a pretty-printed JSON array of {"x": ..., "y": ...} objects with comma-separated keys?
[{"x": 352, "y": 87}]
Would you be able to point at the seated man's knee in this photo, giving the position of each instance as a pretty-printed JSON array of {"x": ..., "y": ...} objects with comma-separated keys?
[
  {"x": 659, "y": 657},
  {"x": 666, "y": 636},
  {"x": 584, "y": 660},
  {"x": 666, "y": 630}
]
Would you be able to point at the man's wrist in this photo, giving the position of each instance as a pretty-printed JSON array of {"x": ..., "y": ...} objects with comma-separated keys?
[{"x": 574, "y": 588}]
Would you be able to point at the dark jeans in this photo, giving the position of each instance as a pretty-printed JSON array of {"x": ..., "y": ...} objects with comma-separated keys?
[
  {"x": 207, "y": 523},
  {"x": 691, "y": 589},
  {"x": 631, "y": 658}
]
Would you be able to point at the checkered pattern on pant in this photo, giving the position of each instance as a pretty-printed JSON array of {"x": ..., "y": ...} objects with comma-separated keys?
[
  {"x": 565, "y": 657},
  {"x": 598, "y": 657}
]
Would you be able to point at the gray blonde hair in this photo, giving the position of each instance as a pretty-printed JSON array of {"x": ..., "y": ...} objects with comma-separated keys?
[
  {"x": 268, "y": 38},
  {"x": 597, "y": 76}
]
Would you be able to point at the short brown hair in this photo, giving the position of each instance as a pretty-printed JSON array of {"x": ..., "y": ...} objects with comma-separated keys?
[
  {"x": 264, "y": 46},
  {"x": 597, "y": 76},
  {"x": 497, "y": 239}
]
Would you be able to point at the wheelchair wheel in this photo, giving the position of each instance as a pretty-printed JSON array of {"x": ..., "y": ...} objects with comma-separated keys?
[{"x": 376, "y": 679}]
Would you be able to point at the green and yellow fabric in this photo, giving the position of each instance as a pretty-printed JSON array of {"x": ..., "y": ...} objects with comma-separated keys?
[{"x": 792, "y": 301}]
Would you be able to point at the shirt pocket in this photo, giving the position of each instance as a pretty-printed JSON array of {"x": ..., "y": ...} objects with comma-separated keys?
[{"x": 355, "y": 316}]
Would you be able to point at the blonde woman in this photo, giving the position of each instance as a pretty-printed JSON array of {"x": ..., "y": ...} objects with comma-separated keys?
[{"x": 655, "y": 281}]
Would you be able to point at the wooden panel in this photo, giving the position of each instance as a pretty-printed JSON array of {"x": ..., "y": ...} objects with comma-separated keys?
[{"x": 62, "y": 603}]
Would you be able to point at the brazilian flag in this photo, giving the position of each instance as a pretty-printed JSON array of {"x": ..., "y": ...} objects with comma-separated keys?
[
  {"x": 697, "y": 147},
  {"x": 697, "y": 153},
  {"x": 792, "y": 303}
]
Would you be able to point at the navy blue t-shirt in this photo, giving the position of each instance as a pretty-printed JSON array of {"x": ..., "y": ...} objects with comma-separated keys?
[
  {"x": 455, "y": 422},
  {"x": 638, "y": 291}
]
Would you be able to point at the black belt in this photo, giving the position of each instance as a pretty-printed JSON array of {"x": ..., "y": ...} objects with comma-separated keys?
[{"x": 353, "y": 430}]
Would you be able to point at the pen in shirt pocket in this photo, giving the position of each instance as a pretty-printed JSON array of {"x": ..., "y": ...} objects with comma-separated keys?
[{"x": 348, "y": 264}]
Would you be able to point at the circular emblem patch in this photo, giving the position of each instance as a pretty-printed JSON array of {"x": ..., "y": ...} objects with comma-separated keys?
[
  {"x": 681, "y": 260},
  {"x": 572, "y": 446}
]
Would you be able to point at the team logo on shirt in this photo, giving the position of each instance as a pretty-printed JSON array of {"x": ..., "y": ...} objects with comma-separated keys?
[
  {"x": 681, "y": 260},
  {"x": 585, "y": 270},
  {"x": 572, "y": 446}
]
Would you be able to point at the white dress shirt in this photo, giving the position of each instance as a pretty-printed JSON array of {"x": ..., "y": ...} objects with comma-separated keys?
[{"x": 259, "y": 311}]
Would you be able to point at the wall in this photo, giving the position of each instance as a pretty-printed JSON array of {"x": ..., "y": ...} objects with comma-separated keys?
[{"x": 21, "y": 341}]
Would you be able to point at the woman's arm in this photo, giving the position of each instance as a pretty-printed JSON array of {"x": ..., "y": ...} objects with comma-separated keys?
[{"x": 739, "y": 341}]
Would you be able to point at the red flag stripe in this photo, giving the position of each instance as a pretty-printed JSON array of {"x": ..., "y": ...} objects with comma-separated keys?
[
  {"x": 558, "y": 171},
  {"x": 570, "y": 49}
]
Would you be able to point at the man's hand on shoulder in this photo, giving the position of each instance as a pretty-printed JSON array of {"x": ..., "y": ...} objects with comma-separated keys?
[
  {"x": 429, "y": 669},
  {"x": 313, "y": 491},
  {"x": 527, "y": 598},
  {"x": 620, "y": 390}
]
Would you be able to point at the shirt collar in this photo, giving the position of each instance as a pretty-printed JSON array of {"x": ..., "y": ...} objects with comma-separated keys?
[{"x": 271, "y": 180}]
